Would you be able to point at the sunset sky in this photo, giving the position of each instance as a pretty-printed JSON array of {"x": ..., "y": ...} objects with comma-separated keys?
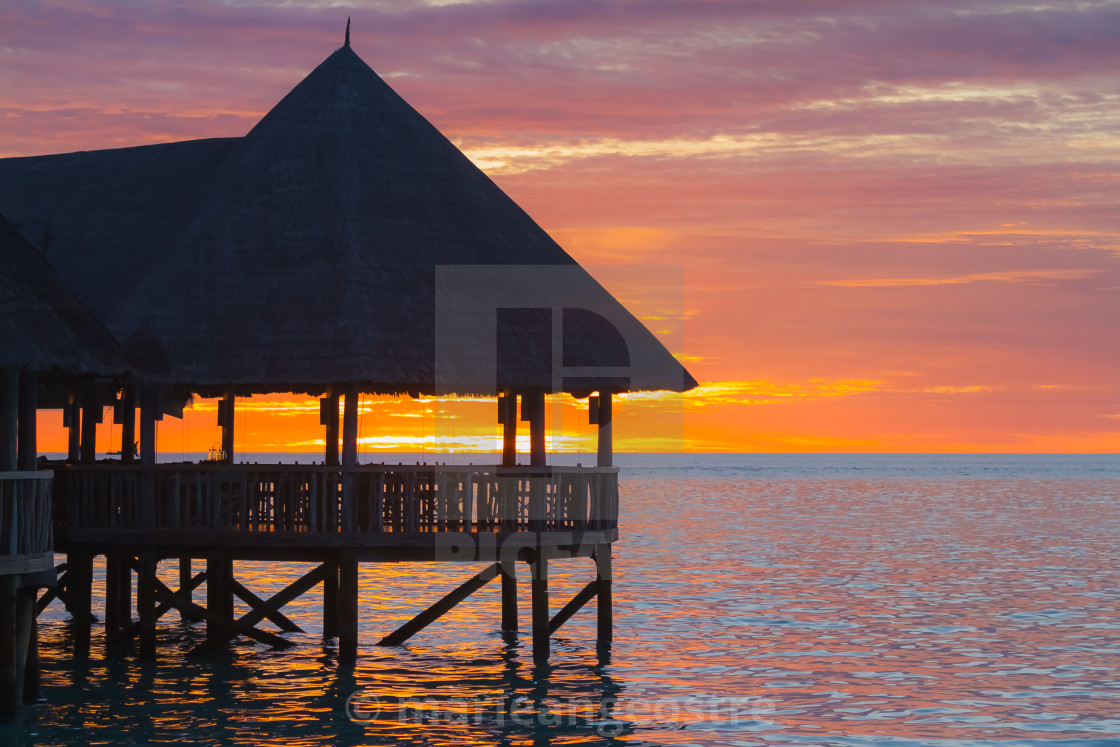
[{"x": 891, "y": 225}]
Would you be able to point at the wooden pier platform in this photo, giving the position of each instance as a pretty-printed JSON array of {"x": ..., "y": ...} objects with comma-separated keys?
[{"x": 333, "y": 516}]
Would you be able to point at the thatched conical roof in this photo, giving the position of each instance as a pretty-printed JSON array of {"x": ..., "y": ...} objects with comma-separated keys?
[
  {"x": 43, "y": 326},
  {"x": 318, "y": 249}
]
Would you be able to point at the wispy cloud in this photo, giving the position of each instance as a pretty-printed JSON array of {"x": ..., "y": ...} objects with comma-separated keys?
[{"x": 1003, "y": 276}]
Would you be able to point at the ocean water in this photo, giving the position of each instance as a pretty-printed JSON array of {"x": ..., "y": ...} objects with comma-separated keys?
[{"x": 759, "y": 600}]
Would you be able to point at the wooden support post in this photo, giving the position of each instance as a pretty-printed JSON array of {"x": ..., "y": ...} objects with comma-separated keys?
[
  {"x": 124, "y": 591},
  {"x": 509, "y": 596},
  {"x": 27, "y": 448},
  {"x": 606, "y": 447},
  {"x": 186, "y": 574},
  {"x": 146, "y": 604},
  {"x": 128, "y": 425},
  {"x": 350, "y": 426},
  {"x": 507, "y": 415},
  {"x": 228, "y": 416},
  {"x": 347, "y": 605},
  {"x": 440, "y": 608},
  {"x": 91, "y": 416},
  {"x": 79, "y": 598},
  {"x": 330, "y": 592},
  {"x": 149, "y": 403},
  {"x": 604, "y": 578},
  {"x": 28, "y": 636},
  {"x": 329, "y": 412},
  {"x": 10, "y": 695},
  {"x": 535, "y": 400},
  {"x": 9, "y": 418},
  {"x": 72, "y": 419},
  {"x": 219, "y": 596},
  {"x": 112, "y": 596},
  {"x": 539, "y": 569}
]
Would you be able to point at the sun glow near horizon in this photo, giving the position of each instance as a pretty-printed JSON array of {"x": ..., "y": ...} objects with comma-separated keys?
[{"x": 706, "y": 419}]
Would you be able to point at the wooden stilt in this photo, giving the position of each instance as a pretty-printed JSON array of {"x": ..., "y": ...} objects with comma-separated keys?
[
  {"x": 146, "y": 604},
  {"x": 330, "y": 594},
  {"x": 219, "y": 596},
  {"x": 10, "y": 696},
  {"x": 72, "y": 419},
  {"x": 9, "y": 417},
  {"x": 25, "y": 620},
  {"x": 79, "y": 596},
  {"x": 91, "y": 416},
  {"x": 532, "y": 409},
  {"x": 124, "y": 591},
  {"x": 350, "y": 426},
  {"x": 535, "y": 402},
  {"x": 440, "y": 608},
  {"x": 329, "y": 412},
  {"x": 507, "y": 415},
  {"x": 509, "y": 596},
  {"x": 112, "y": 596},
  {"x": 31, "y": 659},
  {"x": 606, "y": 447},
  {"x": 128, "y": 425},
  {"x": 149, "y": 403},
  {"x": 539, "y": 570},
  {"x": 604, "y": 578},
  {"x": 347, "y": 607},
  {"x": 27, "y": 449},
  {"x": 228, "y": 412},
  {"x": 186, "y": 574}
]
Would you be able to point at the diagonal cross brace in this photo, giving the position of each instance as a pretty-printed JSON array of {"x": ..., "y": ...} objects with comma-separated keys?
[
  {"x": 53, "y": 592},
  {"x": 585, "y": 595},
  {"x": 133, "y": 629},
  {"x": 275, "y": 617},
  {"x": 245, "y": 624},
  {"x": 440, "y": 608},
  {"x": 182, "y": 604}
]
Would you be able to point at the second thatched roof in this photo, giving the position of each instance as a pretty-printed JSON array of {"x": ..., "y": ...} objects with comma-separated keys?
[{"x": 43, "y": 326}]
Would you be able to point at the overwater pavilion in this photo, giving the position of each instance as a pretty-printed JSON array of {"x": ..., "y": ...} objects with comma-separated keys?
[
  {"x": 342, "y": 247},
  {"x": 49, "y": 339}
]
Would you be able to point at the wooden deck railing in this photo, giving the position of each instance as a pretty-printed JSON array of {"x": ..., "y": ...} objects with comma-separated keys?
[
  {"x": 26, "y": 544},
  {"x": 320, "y": 499}
]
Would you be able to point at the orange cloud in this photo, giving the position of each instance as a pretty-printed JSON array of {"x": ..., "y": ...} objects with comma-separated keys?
[{"x": 1003, "y": 276}]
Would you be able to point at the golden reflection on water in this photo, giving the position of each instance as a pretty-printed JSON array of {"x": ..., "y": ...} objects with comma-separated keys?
[{"x": 748, "y": 611}]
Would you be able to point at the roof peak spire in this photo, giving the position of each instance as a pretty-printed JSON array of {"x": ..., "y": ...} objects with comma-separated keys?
[{"x": 347, "y": 43}]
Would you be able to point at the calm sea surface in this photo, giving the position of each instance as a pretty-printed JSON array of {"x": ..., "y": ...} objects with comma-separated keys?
[{"x": 759, "y": 600}]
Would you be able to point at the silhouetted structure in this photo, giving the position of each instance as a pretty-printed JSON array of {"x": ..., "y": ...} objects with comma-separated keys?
[
  {"x": 343, "y": 246},
  {"x": 47, "y": 334}
]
